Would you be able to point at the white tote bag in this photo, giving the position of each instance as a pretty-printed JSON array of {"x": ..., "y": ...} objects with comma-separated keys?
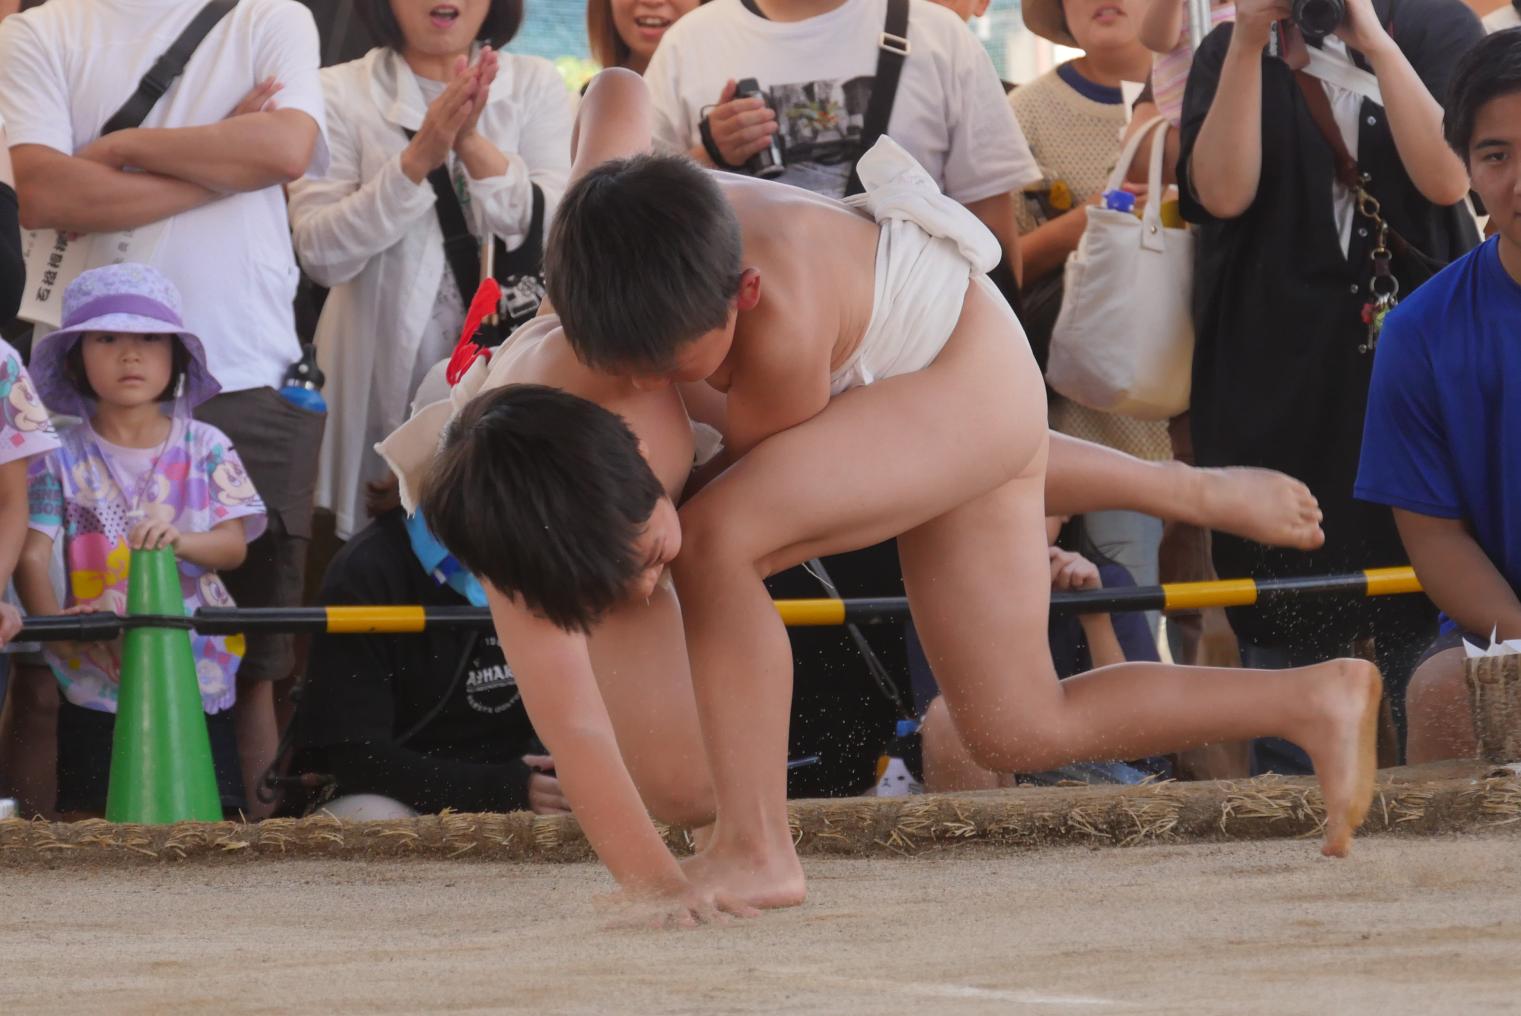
[{"x": 1124, "y": 339}]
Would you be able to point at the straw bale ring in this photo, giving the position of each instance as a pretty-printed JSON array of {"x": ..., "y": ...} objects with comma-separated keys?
[{"x": 1443, "y": 798}]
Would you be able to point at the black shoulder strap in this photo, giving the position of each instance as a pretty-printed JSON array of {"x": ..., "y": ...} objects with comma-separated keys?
[
  {"x": 460, "y": 245},
  {"x": 892, "y": 47},
  {"x": 462, "y": 250},
  {"x": 168, "y": 67}
]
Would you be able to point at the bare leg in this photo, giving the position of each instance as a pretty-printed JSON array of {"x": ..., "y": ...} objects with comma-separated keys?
[
  {"x": 613, "y": 121},
  {"x": 1258, "y": 504},
  {"x": 891, "y": 459},
  {"x": 978, "y": 588},
  {"x": 253, "y": 717},
  {"x": 29, "y": 740},
  {"x": 948, "y": 766},
  {"x": 639, "y": 656},
  {"x": 1439, "y": 711}
]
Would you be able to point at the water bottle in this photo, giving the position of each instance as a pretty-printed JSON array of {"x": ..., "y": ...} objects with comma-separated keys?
[{"x": 303, "y": 382}]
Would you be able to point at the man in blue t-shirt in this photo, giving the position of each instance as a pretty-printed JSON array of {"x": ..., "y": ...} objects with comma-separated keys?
[{"x": 1443, "y": 431}]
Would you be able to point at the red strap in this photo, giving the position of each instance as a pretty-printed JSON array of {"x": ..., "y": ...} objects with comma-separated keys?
[{"x": 487, "y": 299}]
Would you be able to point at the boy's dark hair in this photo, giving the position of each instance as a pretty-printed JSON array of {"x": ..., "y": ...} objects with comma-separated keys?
[
  {"x": 644, "y": 255},
  {"x": 74, "y": 369},
  {"x": 1488, "y": 71},
  {"x": 502, "y": 22},
  {"x": 543, "y": 494}
]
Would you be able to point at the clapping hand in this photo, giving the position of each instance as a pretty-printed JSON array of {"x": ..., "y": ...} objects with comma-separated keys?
[
  {"x": 446, "y": 117},
  {"x": 485, "y": 71}
]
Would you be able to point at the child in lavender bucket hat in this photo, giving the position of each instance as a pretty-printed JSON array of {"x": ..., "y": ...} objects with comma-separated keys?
[{"x": 135, "y": 472}]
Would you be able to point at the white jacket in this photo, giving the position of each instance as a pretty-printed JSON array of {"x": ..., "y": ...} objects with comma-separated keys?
[{"x": 372, "y": 235}]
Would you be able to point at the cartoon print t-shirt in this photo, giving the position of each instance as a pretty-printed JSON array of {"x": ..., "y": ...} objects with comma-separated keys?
[
  {"x": 94, "y": 492},
  {"x": 24, "y": 427},
  {"x": 818, "y": 74}
]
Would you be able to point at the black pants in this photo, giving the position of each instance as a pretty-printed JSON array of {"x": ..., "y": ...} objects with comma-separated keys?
[
  {"x": 278, "y": 442},
  {"x": 85, "y": 738}
]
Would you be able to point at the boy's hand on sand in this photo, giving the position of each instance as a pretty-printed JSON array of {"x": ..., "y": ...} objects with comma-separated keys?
[
  {"x": 741, "y": 127},
  {"x": 153, "y": 534},
  {"x": 258, "y": 99},
  {"x": 544, "y": 794},
  {"x": 1073, "y": 571},
  {"x": 10, "y": 622},
  {"x": 682, "y": 906},
  {"x": 446, "y": 116}
]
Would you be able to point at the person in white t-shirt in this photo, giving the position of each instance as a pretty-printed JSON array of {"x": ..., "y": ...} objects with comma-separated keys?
[
  {"x": 209, "y": 162},
  {"x": 815, "y": 62}
]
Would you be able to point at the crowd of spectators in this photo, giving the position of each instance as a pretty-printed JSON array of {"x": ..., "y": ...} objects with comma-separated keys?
[{"x": 285, "y": 168}]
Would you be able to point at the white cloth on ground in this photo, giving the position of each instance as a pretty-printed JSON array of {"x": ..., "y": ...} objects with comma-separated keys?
[{"x": 930, "y": 249}]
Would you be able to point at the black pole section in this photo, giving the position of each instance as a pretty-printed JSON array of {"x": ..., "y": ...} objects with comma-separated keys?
[{"x": 386, "y": 620}]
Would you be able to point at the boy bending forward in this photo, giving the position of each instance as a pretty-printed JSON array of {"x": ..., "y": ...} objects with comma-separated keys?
[
  {"x": 658, "y": 279},
  {"x": 877, "y": 387}
]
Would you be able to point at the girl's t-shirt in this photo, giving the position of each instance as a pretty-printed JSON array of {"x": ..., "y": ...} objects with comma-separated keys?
[
  {"x": 94, "y": 492},
  {"x": 25, "y": 430}
]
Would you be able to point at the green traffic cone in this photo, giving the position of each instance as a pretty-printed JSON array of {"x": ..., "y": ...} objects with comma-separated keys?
[{"x": 161, "y": 768}]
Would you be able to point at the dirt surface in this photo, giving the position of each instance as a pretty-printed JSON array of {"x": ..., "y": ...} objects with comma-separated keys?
[{"x": 1429, "y": 925}]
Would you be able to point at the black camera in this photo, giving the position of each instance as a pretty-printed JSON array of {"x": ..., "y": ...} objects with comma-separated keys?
[
  {"x": 1319, "y": 18},
  {"x": 767, "y": 162}
]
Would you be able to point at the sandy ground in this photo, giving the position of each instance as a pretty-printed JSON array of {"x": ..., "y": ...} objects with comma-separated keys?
[{"x": 1405, "y": 926}]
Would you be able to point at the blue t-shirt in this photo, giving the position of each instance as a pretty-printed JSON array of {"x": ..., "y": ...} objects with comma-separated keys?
[{"x": 1443, "y": 432}]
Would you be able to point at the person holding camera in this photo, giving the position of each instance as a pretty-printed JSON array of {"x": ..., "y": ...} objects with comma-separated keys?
[
  {"x": 811, "y": 70},
  {"x": 1321, "y": 199}
]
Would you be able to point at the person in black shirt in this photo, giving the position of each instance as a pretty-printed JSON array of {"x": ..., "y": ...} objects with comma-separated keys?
[
  {"x": 414, "y": 723},
  {"x": 1283, "y": 353}
]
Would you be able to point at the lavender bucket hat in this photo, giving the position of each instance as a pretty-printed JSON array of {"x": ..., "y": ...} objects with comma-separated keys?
[{"x": 125, "y": 299}]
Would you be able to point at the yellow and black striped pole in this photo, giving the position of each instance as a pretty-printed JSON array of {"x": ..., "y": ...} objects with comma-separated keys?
[{"x": 393, "y": 620}]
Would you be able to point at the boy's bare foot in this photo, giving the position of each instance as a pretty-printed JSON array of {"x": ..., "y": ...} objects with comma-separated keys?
[
  {"x": 1342, "y": 743},
  {"x": 1260, "y": 504},
  {"x": 768, "y": 880}
]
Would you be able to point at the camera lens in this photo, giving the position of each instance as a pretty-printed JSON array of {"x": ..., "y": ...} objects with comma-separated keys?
[{"x": 1319, "y": 18}]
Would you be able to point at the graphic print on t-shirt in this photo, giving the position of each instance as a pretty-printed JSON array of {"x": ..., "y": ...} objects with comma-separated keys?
[
  {"x": 819, "y": 129},
  {"x": 490, "y": 686}
]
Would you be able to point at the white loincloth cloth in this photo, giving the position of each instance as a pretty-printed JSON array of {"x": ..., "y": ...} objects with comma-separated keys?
[
  {"x": 412, "y": 447},
  {"x": 930, "y": 247}
]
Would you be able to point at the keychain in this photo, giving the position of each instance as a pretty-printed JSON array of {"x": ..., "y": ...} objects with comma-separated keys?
[{"x": 1383, "y": 287}]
